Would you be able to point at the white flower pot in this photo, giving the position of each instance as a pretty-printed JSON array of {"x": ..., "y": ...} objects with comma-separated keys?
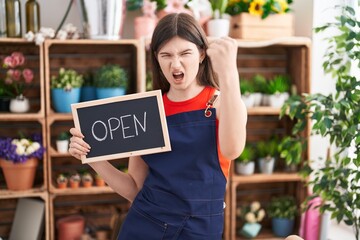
[
  {"x": 266, "y": 165},
  {"x": 62, "y": 146},
  {"x": 218, "y": 27},
  {"x": 257, "y": 99},
  {"x": 20, "y": 104},
  {"x": 245, "y": 168},
  {"x": 248, "y": 99},
  {"x": 277, "y": 100}
]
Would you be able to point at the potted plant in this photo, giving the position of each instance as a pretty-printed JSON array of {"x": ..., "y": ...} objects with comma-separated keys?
[
  {"x": 75, "y": 180},
  {"x": 251, "y": 214},
  {"x": 282, "y": 211},
  {"x": 87, "y": 180},
  {"x": 218, "y": 26},
  {"x": 62, "y": 142},
  {"x": 62, "y": 181},
  {"x": 259, "y": 83},
  {"x": 335, "y": 177},
  {"x": 266, "y": 153},
  {"x": 278, "y": 89},
  {"x": 65, "y": 89},
  {"x": 110, "y": 81},
  {"x": 99, "y": 181},
  {"x": 88, "y": 90},
  {"x": 20, "y": 157},
  {"x": 247, "y": 90},
  {"x": 18, "y": 77},
  {"x": 245, "y": 164},
  {"x": 260, "y": 19}
]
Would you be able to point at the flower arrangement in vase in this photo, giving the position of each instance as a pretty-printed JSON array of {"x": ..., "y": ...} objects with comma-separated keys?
[
  {"x": 62, "y": 181},
  {"x": 18, "y": 77},
  {"x": 19, "y": 157},
  {"x": 75, "y": 180},
  {"x": 87, "y": 180},
  {"x": 252, "y": 214}
]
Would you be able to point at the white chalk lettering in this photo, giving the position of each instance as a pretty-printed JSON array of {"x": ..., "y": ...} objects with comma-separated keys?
[
  {"x": 123, "y": 126},
  {"x": 113, "y": 129},
  {"x": 143, "y": 126},
  {"x": 129, "y": 125},
  {"x": 93, "y": 133}
]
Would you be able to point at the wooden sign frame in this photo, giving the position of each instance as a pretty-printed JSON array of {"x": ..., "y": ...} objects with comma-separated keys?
[{"x": 129, "y": 97}]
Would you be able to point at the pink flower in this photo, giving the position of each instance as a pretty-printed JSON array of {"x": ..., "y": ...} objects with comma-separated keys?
[
  {"x": 28, "y": 75},
  {"x": 18, "y": 58},
  {"x": 16, "y": 74},
  {"x": 149, "y": 9}
]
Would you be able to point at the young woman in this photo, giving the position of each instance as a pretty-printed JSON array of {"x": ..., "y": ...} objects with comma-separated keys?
[{"x": 180, "y": 194}]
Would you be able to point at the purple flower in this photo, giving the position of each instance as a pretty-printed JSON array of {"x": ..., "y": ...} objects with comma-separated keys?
[{"x": 20, "y": 150}]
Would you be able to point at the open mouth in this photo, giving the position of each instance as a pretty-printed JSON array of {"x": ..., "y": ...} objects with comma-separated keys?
[{"x": 178, "y": 75}]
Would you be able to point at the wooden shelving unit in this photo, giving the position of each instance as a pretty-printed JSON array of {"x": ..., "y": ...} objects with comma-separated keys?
[
  {"x": 282, "y": 56},
  {"x": 27, "y": 123},
  {"x": 289, "y": 56}
]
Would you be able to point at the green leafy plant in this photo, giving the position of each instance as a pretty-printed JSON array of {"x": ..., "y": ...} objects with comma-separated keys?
[
  {"x": 247, "y": 155},
  {"x": 267, "y": 149},
  {"x": 67, "y": 79},
  {"x": 282, "y": 207},
  {"x": 63, "y": 136},
  {"x": 278, "y": 84},
  {"x": 111, "y": 76},
  {"x": 88, "y": 79},
  {"x": 218, "y": 8},
  {"x": 259, "y": 83},
  {"x": 262, "y": 8},
  {"x": 336, "y": 117},
  {"x": 246, "y": 86}
]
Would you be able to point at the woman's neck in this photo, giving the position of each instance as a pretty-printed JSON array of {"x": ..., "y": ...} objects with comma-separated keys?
[{"x": 179, "y": 95}]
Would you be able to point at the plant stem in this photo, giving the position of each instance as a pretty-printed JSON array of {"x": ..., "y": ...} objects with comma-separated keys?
[{"x": 64, "y": 18}]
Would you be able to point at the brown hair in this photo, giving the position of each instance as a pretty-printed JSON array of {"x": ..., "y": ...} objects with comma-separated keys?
[{"x": 186, "y": 27}]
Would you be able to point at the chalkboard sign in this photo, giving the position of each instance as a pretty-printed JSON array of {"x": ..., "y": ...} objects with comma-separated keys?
[{"x": 118, "y": 127}]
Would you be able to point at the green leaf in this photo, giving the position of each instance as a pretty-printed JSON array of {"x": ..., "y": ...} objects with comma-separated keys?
[
  {"x": 350, "y": 10},
  {"x": 327, "y": 122},
  {"x": 352, "y": 35},
  {"x": 351, "y": 22},
  {"x": 350, "y": 46}
]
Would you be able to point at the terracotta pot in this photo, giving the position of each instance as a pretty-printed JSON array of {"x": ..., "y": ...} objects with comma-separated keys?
[
  {"x": 19, "y": 176},
  {"x": 87, "y": 184},
  {"x": 99, "y": 182},
  {"x": 62, "y": 185},
  {"x": 74, "y": 184},
  {"x": 70, "y": 227}
]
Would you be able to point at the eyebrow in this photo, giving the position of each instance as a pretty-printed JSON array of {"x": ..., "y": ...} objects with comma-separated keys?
[{"x": 183, "y": 51}]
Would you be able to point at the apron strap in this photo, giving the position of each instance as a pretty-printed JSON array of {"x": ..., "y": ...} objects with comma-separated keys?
[{"x": 210, "y": 104}]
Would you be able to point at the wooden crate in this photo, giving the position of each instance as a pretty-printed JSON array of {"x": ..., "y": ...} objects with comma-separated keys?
[
  {"x": 244, "y": 194},
  {"x": 8, "y": 208},
  {"x": 292, "y": 58},
  {"x": 35, "y": 61},
  {"x": 101, "y": 212},
  {"x": 89, "y": 55},
  {"x": 12, "y": 128},
  {"x": 250, "y": 27}
]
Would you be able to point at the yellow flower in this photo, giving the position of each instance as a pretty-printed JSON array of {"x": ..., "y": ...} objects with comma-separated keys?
[
  {"x": 280, "y": 6},
  {"x": 256, "y": 7}
]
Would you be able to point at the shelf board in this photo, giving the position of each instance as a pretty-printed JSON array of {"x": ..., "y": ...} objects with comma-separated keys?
[
  {"x": 60, "y": 116},
  {"x": 264, "y": 234},
  {"x": 263, "y": 110},
  {"x": 81, "y": 190},
  {"x": 266, "y": 178},
  {"x": 34, "y": 192},
  {"x": 282, "y": 41},
  {"x": 20, "y": 116}
]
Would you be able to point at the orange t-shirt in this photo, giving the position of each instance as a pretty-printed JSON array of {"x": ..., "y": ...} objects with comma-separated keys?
[{"x": 197, "y": 103}]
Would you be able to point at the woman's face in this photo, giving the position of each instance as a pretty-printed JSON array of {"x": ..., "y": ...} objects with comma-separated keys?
[{"x": 179, "y": 61}]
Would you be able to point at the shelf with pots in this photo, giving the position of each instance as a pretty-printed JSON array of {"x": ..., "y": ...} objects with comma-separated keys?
[{"x": 269, "y": 59}]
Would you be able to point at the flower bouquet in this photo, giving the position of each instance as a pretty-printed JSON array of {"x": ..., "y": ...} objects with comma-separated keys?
[
  {"x": 252, "y": 215},
  {"x": 19, "y": 157},
  {"x": 18, "y": 78}
]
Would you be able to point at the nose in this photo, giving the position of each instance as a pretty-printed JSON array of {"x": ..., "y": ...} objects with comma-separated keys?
[{"x": 176, "y": 62}]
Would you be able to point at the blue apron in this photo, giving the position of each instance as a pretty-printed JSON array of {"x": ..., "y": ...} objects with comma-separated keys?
[{"x": 183, "y": 194}]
